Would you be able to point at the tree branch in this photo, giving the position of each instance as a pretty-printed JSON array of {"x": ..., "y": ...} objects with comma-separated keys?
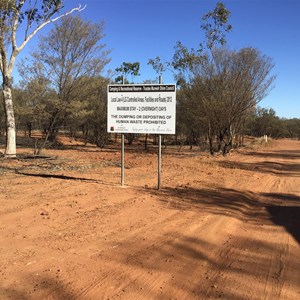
[
  {"x": 16, "y": 49},
  {"x": 2, "y": 48},
  {"x": 29, "y": 37},
  {"x": 15, "y": 26},
  {"x": 29, "y": 19}
]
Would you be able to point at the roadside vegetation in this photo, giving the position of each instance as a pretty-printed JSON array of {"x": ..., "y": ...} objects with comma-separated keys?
[{"x": 63, "y": 86}]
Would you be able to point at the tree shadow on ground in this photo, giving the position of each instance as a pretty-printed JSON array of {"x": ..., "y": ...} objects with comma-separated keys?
[
  {"x": 287, "y": 154},
  {"x": 64, "y": 177},
  {"x": 34, "y": 287},
  {"x": 267, "y": 208},
  {"x": 288, "y": 217},
  {"x": 177, "y": 255},
  {"x": 284, "y": 210},
  {"x": 287, "y": 169}
]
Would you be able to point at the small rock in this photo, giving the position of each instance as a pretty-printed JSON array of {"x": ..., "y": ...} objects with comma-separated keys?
[{"x": 44, "y": 213}]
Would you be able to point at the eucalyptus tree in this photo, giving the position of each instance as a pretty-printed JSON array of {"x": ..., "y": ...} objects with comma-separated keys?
[
  {"x": 127, "y": 69},
  {"x": 292, "y": 127},
  {"x": 264, "y": 121},
  {"x": 71, "y": 52},
  {"x": 224, "y": 89},
  {"x": 20, "y": 20},
  {"x": 93, "y": 117},
  {"x": 219, "y": 85},
  {"x": 215, "y": 25},
  {"x": 185, "y": 62},
  {"x": 32, "y": 104}
]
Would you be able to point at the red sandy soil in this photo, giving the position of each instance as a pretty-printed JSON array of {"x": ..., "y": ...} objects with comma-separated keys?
[{"x": 220, "y": 227}]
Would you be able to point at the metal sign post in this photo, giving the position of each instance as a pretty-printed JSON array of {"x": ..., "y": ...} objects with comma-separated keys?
[
  {"x": 159, "y": 152},
  {"x": 159, "y": 162},
  {"x": 122, "y": 160},
  {"x": 122, "y": 153}
]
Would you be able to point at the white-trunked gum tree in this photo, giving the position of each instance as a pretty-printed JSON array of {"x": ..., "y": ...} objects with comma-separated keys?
[{"x": 20, "y": 21}]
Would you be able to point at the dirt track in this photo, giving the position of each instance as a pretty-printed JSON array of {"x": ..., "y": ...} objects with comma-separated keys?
[{"x": 219, "y": 228}]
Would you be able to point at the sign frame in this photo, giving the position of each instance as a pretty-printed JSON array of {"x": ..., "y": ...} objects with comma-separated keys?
[{"x": 141, "y": 108}]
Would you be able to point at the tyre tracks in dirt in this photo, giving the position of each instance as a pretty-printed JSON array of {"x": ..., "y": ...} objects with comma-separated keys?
[{"x": 163, "y": 265}]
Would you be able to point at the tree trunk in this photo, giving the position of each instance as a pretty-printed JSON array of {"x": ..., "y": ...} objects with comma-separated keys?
[
  {"x": 48, "y": 133},
  {"x": 130, "y": 138},
  {"x": 210, "y": 140},
  {"x": 146, "y": 142},
  {"x": 211, "y": 147},
  {"x": 29, "y": 128},
  {"x": 220, "y": 140},
  {"x": 10, "y": 150}
]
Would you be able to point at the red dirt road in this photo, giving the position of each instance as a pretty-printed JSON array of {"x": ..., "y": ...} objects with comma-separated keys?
[{"x": 219, "y": 227}]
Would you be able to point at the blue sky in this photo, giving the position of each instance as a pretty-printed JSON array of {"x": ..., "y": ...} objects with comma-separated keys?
[{"x": 137, "y": 30}]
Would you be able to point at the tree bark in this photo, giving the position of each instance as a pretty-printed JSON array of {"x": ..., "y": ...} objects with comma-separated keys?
[
  {"x": 210, "y": 140},
  {"x": 10, "y": 150},
  {"x": 48, "y": 133},
  {"x": 146, "y": 142}
]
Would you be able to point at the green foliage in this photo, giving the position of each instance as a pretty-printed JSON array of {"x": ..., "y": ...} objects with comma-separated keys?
[
  {"x": 215, "y": 25},
  {"x": 63, "y": 88},
  {"x": 292, "y": 127},
  {"x": 157, "y": 65},
  {"x": 126, "y": 69},
  {"x": 88, "y": 112},
  {"x": 27, "y": 11},
  {"x": 264, "y": 121},
  {"x": 185, "y": 61},
  {"x": 221, "y": 91},
  {"x": 28, "y": 17},
  {"x": 66, "y": 62},
  {"x": 219, "y": 87}
]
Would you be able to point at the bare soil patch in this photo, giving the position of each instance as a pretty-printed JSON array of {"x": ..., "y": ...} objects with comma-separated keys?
[{"x": 220, "y": 227}]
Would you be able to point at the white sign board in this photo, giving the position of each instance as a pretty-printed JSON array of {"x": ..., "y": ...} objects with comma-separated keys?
[{"x": 141, "y": 108}]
